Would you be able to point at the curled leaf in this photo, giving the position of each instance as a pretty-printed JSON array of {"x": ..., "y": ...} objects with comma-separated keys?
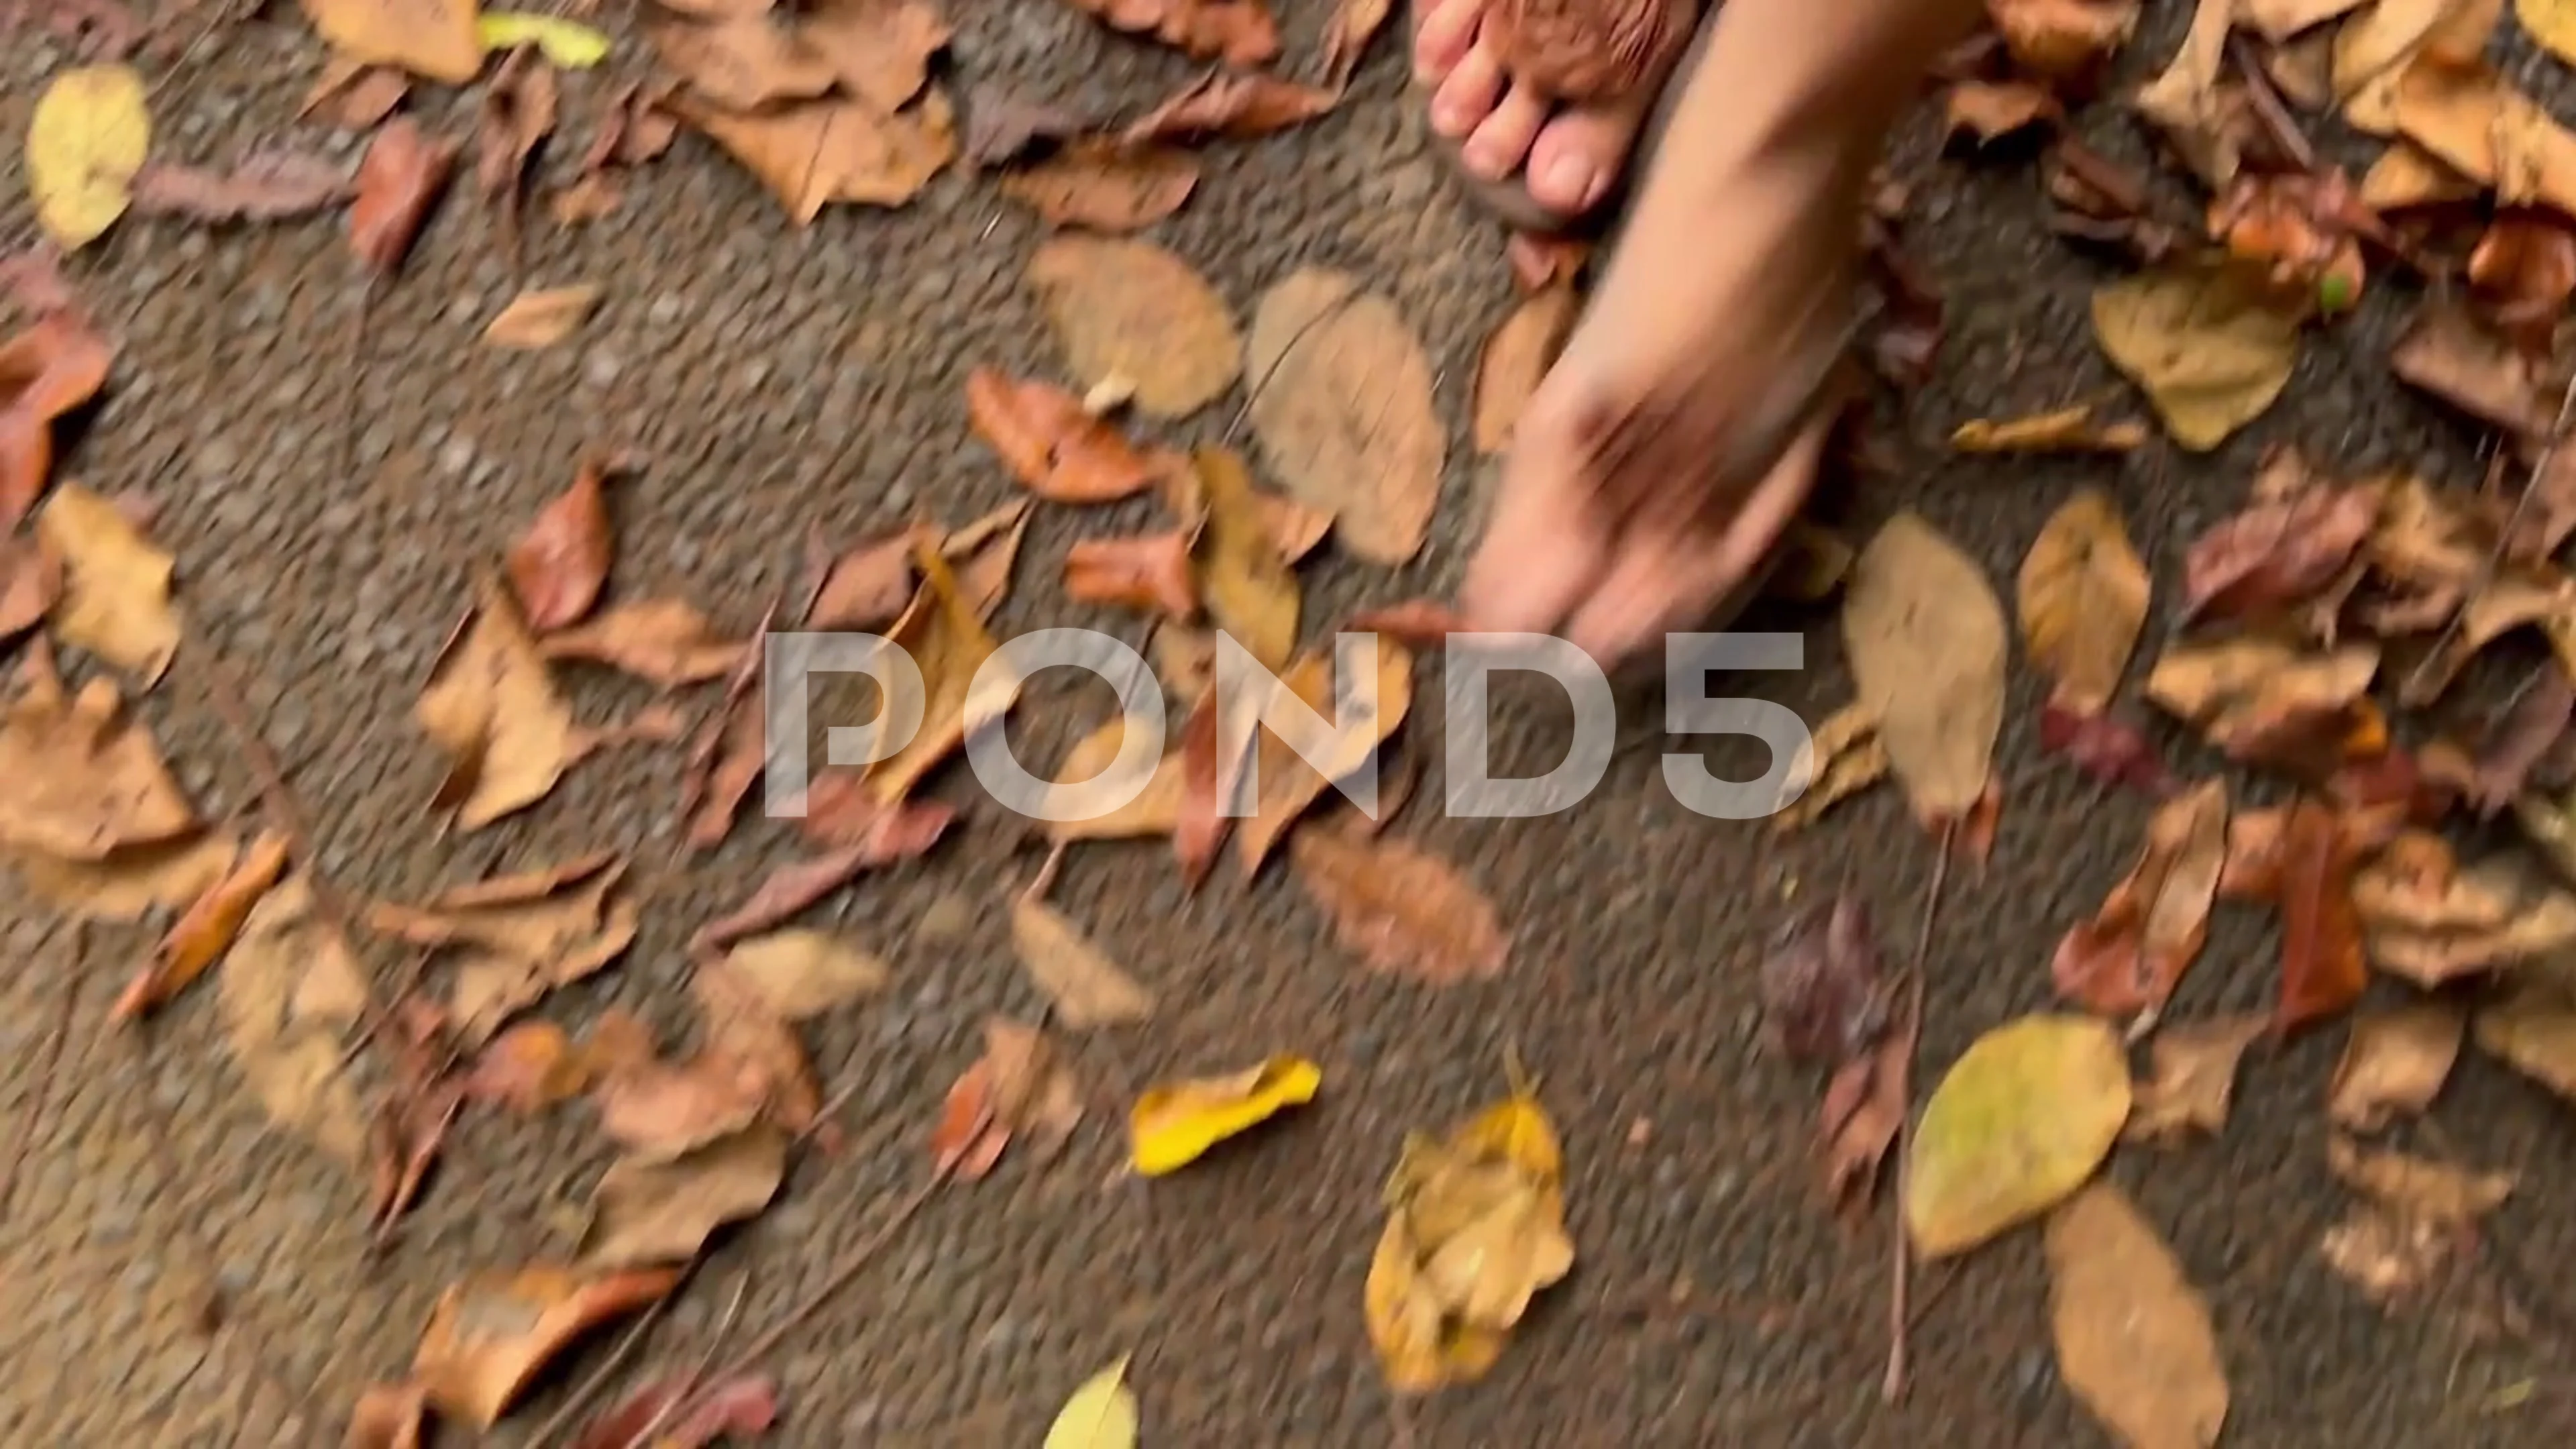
[
  {"x": 1174, "y": 1124},
  {"x": 2394, "y": 1064},
  {"x": 1055, "y": 448},
  {"x": 199, "y": 938},
  {"x": 494, "y": 1332},
  {"x": 2194, "y": 1076},
  {"x": 400, "y": 179},
  {"x": 2133, "y": 953}
]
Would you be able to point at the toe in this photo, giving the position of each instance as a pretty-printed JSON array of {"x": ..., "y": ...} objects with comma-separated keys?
[
  {"x": 1575, "y": 156},
  {"x": 1501, "y": 141},
  {"x": 1469, "y": 95},
  {"x": 1446, "y": 31}
]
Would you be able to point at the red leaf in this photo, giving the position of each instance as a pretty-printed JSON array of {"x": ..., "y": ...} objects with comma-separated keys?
[
  {"x": 266, "y": 186},
  {"x": 46, "y": 371},
  {"x": 1151, "y": 572},
  {"x": 2112, "y": 751},
  {"x": 2276, "y": 554},
  {"x": 558, "y": 567},
  {"x": 1051, "y": 445},
  {"x": 965, "y": 1118},
  {"x": 740, "y": 1406},
  {"x": 399, "y": 181},
  {"x": 2322, "y": 969},
  {"x": 2134, "y": 951}
]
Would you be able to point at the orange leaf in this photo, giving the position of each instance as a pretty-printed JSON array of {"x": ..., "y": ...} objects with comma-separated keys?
[
  {"x": 1054, "y": 448},
  {"x": 48, "y": 370},
  {"x": 202, "y": 935},
  {"x": 1151, "y": 572},
  {"x": 2322, "y": 968},
  {"x": 558, "y": 567},
  {"x": 1239, "y": 32},
  {"x": 495, "y": 1332},
  {"x": 2133, "y": 953},
  {"x": 1401, "y": 910},
  {"x": 399, "y": 181},
  {"x": 1239, "y": 107}
]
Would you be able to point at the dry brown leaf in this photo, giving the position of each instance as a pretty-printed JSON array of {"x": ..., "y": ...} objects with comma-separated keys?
[
  {"x": 1087, "y": 989},
  {"x": 1243, "y": 579},
  {"x": 84, "y": 778},
  {"x": 2265, "y": 702},
  {"x": 2478, "y": 124},
  {"x": 2134, "y": 951},
  {"x": 1927, "y": 643},
  {"x": 1353, "y": 24},
  {"x": 948, "y": 641},
  {"x": 2065, "y": 42},
  {"x": 813, "y": 154},
  {"x": 1239, "y": 32},
  {"x": 2429, "y": 922},
  {"x": 1515, "y": 357},
  {"x": 2281, "y": 19},
  {"x": 1129, "y": 310},
  {"x": 1154, "y": 811},
  {"x": 47, "y": 370},
  {"x": 1824, "y": 998},
  {"x": 116, "y": 583},
  {"x": 1282, "y": 784},
  {"x": 1239, "y": 106},
  {"x": 130, "y": 881},
  {"x": 1150, "y": 572},
  {"x": 2405, "y": 175},
  {"x": 1401, "y": 910},
  {"x": 2194, "y": 1076},
  {"x": 2083, "y": 595},
  {"x": 519, "y": 936},
  {"x": 31, "y": 581},
  {"x": 400, "y": 179},
  {"x": 880, "y": 49},
  {"x": 541, "y": 318},
  {"x": 2394, "y": 1065},
  {"x": 528, "y": 1068},
  {"x": 199, "y": 938},
  {"x": 2134, "y": 1339},
  {"x": 491, "y": 707},
  {"x": 795, "y": 975},
  {"x": 862, "y": 589},
  {"x": 2418, "y": 1188},
  {"x": 664, "y": 641},
  {"x": 2201, "y": 340},
  {"x": 742, "y": 62},
  {"x": 2533, "y": 1031},
  {"x": 1345, "y": 413},
  {"x": 267, "y": 185},
  {"x": 2187, "y": 102},
  {"x": 493, "y": 1333},
  {"x": 1993, "y": 110},
  {"x": 2278, "y": 554},
  {"x": 1103, "y": 187},
  {"x": 2450, "y": 354},
  {"x": 290, "y": 989},
  {"x": 558, "y": 567},
  {"x": 351, "y": 96},
  {"x": 1016, "y": 1088},
  {"x": 1847, "y": 758},
  {"x": 2067, "y": 430},
  {"x": 1052, "y": 445},
  {"x": 521, "y": 104},
  {"x": 645, "y": 1212},
  {"x": 660, "y": 1110},
  {"x": 434, "y": 39},
  {"x": 900, "y": 832}
]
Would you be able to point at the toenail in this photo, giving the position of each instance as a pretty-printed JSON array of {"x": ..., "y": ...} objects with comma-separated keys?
[{"x": 1570, "y": 180}]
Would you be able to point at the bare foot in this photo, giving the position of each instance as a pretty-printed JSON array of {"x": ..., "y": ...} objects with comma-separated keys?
[{"x": 1544, "y": 98}]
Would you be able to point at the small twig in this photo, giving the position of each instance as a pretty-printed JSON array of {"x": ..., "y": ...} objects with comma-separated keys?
[
  {"x": 2494, "y": 561},
  {"x": 1891, "y": 1388},
  {"x": 580, "y": 1399},
  {"x": 695, "y": 1379},
  {"x": 43, "y": 1096},
  {"x": 2279, "y": 125}
]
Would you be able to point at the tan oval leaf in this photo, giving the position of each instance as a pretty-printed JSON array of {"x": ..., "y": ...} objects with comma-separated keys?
[
  {"x": 1400, "y": 909},
  {"x": 1131, "y": 310},
  {"x": 2134, "y": 1340},
  {"x": 541, "y": 318},
  {"x": 1089, "y": 990},
  {"x": 1344, "y": 411},
  {"x": 2021, "y": 1121},
  {"x": 2083, "y": 596},
  {"x": 1927, "y": 642}
]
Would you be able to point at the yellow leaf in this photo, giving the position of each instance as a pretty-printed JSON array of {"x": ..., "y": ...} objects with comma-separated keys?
[
  {"x": 1171, "y": 1125},
  {"x": 116, "y": 584},
  {"x": 84, "y": 144},
  {"x": 565, "y": 44},
  {"x": 1100, "y": 1415},
  {"x": 2021, "y": 1122},
  {"x": 2083, "y": 598},
  {"x": 2199, "y": 339}
]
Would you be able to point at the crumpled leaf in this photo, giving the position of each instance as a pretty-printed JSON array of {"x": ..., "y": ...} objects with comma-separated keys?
[
  {"x": 2202, "y": 343},
  {"x": 2474, "y": 121},
  {"x": 199, "y": 938},
  {"x": 900, "y": 831},
  {"x": 2082, "y": 594},
  {"x": 1017, "y": 1089},
  {"x": 1823, "y": 997},
  {"x": 538, "y": 319},
  {"x": 664, "y": 641},
  {"x": 2133, "y": 953},
  {"x": 433, "y": 39},
  {"x": 491, "y": 707},
  {"x": 566, "y": 44},
  {"x": 743, "y": 62},
  {"x": 1236, "y": 105},
  {"x": 2268, "y": 703},
  {"x": 2322, "y": 968},
  {"x": 130, "y": 882},
  {"x": 2523, "y": 271},
  {"x": 1053, "y": 447},
  {"x": 1927, "y": 644},
  {"x": 400, "y": 179},
  {"x": 519, "y": 936},
  {"x": 2533, "y": 1031},
  {"x": 53, "y": 367},
  {"x": 559, "y": 566},
  {"x": 1173, "y": 1124},
  {"x": 2194, "y": 1076},
  {"x": 268, "y": 185},
  {"x": 494, "y": 1332},
  {"x": 2064, "y": 42},
  {"x": 85, "y": 779},
  {"x": 1239, "y": 32},
  {"x": 2186, "y": 100},
  {"x": 1993, "y": 110},
  {"x": 1132, "y": 311},
  {"x": 290, "y": 989},
  {"x": 2303, "y": 232},
  {"x": 528, "y": 1068},
  {"x": 1345, "y": 413},
  {"x": 116, "y": 584},
  {"x": 1104, "y": 187},
  {"x": 659, "y": 1110},
  {"x": 1400, "y": 909},
  {"x": 85, "y": 140},
  {"x": 797, "y": 974},
  {"x": 880, "y": 49},
  {"x": 2109, "y": 749},
  {"x": 1283, "y": 784},
  {"x": 1148, "y": 572},
  {"x": 1515, "y": 357},
  {"x": 2134, "y": 1339},
  {"x": 2020, "y": 1122},
  {"x": 2430, "y": 922},
  {"x": 1243, "y": 576},
  {"x": 2418, "y": 1188},
  {"x": 2067, "y": 430},
  {"x": 353, "y": 96},
  {"x": 1100, "y": 1415},
  {"x": 2451, "y": 354},
  {"x": 742, "y": 1407},
  {"x": 948, "y": 641},
  {"x": 2394, "y": 1064},
  {"x": 1848, "y": 757},
  {"x": 1087, "y": 989},
  {"x": 2278, "y": 553},
  {"x": 645, "y": 1212},
  {"x": 1475, "y": 1229},
  {"x": 823, "y": 151}
]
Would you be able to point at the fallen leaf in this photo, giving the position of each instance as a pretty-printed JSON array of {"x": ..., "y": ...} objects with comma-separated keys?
[
  {"x": 2322, "y": 968},
  {"x": 519, "y": 936},
  {"x": 85, "y": 140},
  {"x": 2194, "y": 1076},
  {"x": 267, "y": 186},
  {"x": 1414, "y": 623},
  {"x": 724, "y": 765},
  {"x": 1243, "y": 577},
  {"x": 520, "y": 107},
  {"x": 646, "y": 1212},
  {"x": 1053, "y": 447},
  {"x": 2418, "y": 1188},
  {"x": 742, "y": 1407},
  {"x": 1843, "y": 757},
  {"x": 1475, "y": 1230},
  {"x": 660, "y": 1111},
  {"x": 1927, "y": 644},
  {"x": 2067, "y": 430},
  {"x": 666, "y": 642},
  {"x": 1401, "y": 910},
  {"x": 2020, "y": 1122},
  {"x": 116, "y": 584},
  {"x": 1129, "y": 309},
  {"x": 2266, "y": 702},
  {"x": 1993, "y": 110},
  {"x": 2200, "y": 341},
  {"x": 85, "y": 779},
  {"x": 2277, "y": 554},
  {"x": 1100, "y": 1415},
  {"x": 985, "y": 552},
  {"x": 1149, "y": 572},
  {"x": 2110, "y": 750},
  {"x": 1347, "y": 33},
  {"x": 1173, "y": 1124},
  {"x": 399, "y": 180},
  {"x": 1016, "y": 1089},
  {"x": 2082, "y": 594},
  {"x": 1238, "y": 105},
  {"x": 1239, "y": 32},
  {"x": 566, "y": 44},
  {"x": 1086, "y": 988},
  {"x": 128, "y": 882},
  {"x": 2133, "y": 953},
  {"x": 2517, "y": 745},
  {"x": 388, "y": 1416},
  {"x": 2406, "y": 175},
  {"x": 2532, "y": 1031},
  {"x": 433, "y": 39},
  {"x": 1003, "y": 126},
  {"x": 528, "y": 1068},
  {"x": 742, "y": 62},
  {"x": 2429, "y": 922},
  {"x": 1823, "y": 998},
  {"x": 1344, "y": 411},
  {"x": 354, "y": 96},
  {"x": 2281, "y": 19},
  {"x": 2134, "y": 1339},
  {"x": 797, "y": 974},
  {"x": 199, "y": 938},
  {"x": 52, "y": 368},
  {"x": 494, "y": 1332},
  {"x": 1515, "y": 357},
  {"x": 2478, "y": 124},
  {"x": 2453, "y": 356},
  {"x": 1103, "y": 187},
  {"x": 1281, "y": 784},
  {"x": 814, "y": 154},
  {"x": 541, "y": 318},
  {"x": 2187, "y": 102},
  {"x": 863, "y": 589},
  {"x": 1153, "y": 811},
  {"x": 950, "y": 645},
  {"x": 880, "y": 49},
  {"x": 2063, "y": 41},
  {"x": 2394, "y": 1064},
  {"x": 2523, "y": 271},
  {"x": 290, "y": 989},
  {"x": 491, "y": 707},
  {"x": 559, "y": 566},
  {"x": 745, "y": 1030},
  {"x": 902, "y": 832}
]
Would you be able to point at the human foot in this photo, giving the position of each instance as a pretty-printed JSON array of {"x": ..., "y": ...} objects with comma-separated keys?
[{"x": 1543, "y": 100}]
